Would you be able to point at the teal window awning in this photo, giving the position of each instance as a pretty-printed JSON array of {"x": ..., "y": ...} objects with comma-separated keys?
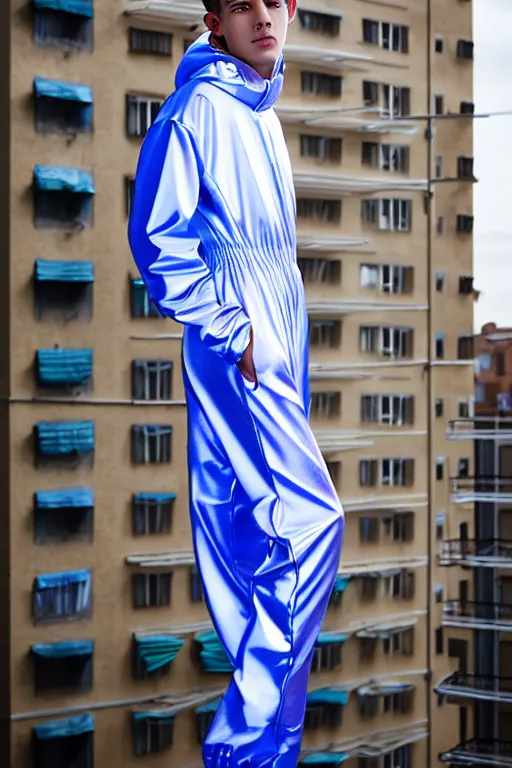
[
  {"x": 76, "y": 7},
  {"x": 328, "y": 696},
  {"x": 324, "y": 638},
  {"x": 160, "y": 716},
  {"x": 64, "y": 367},
  {"x": 63, "y": 438},
  {"x": 60, "y": 729},
  {"x": 63, "y": 271},
  {"x": 62, "y": 579},
  {"x": 65, "y": 498},
  {"x": 156, "y": 651},
  {"x": 56, "y": 89},
  {"x": 341, "y": 583},
  {"x": 49, "y": 178},
  {"x": 64, "y": 650},
  {"x": 212, "y": 654},
  {"x": 324, "y": 758},
  {"x": 211, "y": 706},
  {"x": 155, "y": 498}
]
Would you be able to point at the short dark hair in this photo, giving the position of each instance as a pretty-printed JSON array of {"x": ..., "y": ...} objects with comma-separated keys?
[{"x": 215, "y": 6}]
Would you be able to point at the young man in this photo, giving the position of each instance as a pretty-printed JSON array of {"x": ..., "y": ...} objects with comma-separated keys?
[{"x": 212, "y": 231}]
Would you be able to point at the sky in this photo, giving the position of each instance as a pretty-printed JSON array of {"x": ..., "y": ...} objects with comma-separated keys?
[{"x": 492, "y": 34}]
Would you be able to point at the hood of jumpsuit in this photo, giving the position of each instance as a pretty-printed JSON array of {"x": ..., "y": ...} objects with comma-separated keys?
[{"x": 202, "y": 62}]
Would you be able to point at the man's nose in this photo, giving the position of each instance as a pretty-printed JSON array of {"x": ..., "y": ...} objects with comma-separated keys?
[{"x": 262, "y": 14}]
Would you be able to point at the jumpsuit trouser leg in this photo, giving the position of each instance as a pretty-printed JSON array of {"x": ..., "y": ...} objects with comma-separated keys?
[{"x": 267, "y": 528}]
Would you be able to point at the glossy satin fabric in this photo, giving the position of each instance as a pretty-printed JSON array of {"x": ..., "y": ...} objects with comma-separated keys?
[{"x": 212, "y": 231}]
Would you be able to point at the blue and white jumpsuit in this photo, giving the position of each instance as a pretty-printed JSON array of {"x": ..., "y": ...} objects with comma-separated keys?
[{"x": 212, "y": 231}]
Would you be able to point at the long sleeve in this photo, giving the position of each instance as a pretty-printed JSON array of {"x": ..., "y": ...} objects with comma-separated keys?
[{"x": 165, "y": 244}]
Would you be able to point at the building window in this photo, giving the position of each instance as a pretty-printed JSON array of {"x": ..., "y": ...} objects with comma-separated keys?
[
  {"x": 325, "y": 333},
  {"x": 321, "y": 147},
  {"x": 463, "y": 468},
  {"x": 397, "y": 472},
  {"x": 367, "y": 645},
  {"x": 439, "y": 593},
  {"x": 400, "y": 585},
  {"x": 152, "y": 733},
  {"x": 63, "y": 515},
  {"x": 63, "y": 290},
  {"x": 387, "y": 157},
  {"x": 387, "y": 342},
  {"x": 196, "y": 585},
  {"x": 325, "y": 405},
  {"x": 68, "y": 742},
  {"x": 320, "y": 84},
  {"x": 440, "y": 225},
  {"x": 440, "y": 517},
  {"x": 62, "y": 596},
  {"x": 318, "y": 270},
  {"x": 151, "y": 589},
  {"x": 465, "y": 49},
  {"x": 326, "y": 23},
  {"x": 149, "y": 41},
  {"x": 388, "y": 278},
  {"x": 480, "y": 392},
  {"x": 334, "y": 470},
  {"x": 326, "y": 655},
  {"x": 465, "y": 285},
  {"x": 399, "y": 642},
  {"x": 393, "y": 215},
  {"x": 129, "y": 192},
  {"x": 438, "y": 408},
  {"x": 141, "y": 111},
  {"x": 439, "y": 167},
  {"x": 499, "y": 364},
  {"x": 439, "y": 641},
  {"x": 465, "y": 168},
  {"x": 319, "y": 210},
  {"x": 62, "y": 107},
  {"x": 152, "y": 513},
  {"x": 463, "y": 412},
  {"x": 439, "y": 44},
  {"x": 369, "y": 529},
  {"x": 394, "y": 410},
  {"x": 439, "y": 346},
  {"x": 140, "y": 303},
  {"x": 152, "y": 379},
  {"x": 63, "y": 197},
  {"x": 69, "y": 30},
  {"x": 391, "y": 37},
  {"x": 63, "y": 665},
  {"x": 151, "y": 443},
  {"x": 368, "y": 472},
  {"x": 467, "y": 108},
  {"x": 465, "y": 347},
  {"x": 440, "y": 468},
  {"x": 440, "y": 278},
  {"x": 464, "y": 224},
  {"x": 400, "y": 527},
  {"x": 394, "y": 99},
  {"x": 439, "y": 105},
  {"x": 322, "y": 714}
]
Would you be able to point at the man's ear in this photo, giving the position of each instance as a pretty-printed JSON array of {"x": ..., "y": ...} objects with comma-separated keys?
[
  {"x": 292, "y": 9},
  {"x": 214, "y": 22}
]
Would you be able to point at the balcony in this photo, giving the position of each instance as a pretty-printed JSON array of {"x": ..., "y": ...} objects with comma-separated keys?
[
  {"x": 341, "y": 118},
  {"x": 181, "y": 13},
  {"x": 477, "y": 615},
  {"x": 480, "y": 428},
  {"x": 315, "y": 241},
  {"x": 482, "y": 687},
  {"x": 480, "y": 752},
  {"x": 333, "y": 60},
  {"x": 467, "y": 490},
  {"x": 477, "y": 553},
  {"x": 342, "y": 184}
]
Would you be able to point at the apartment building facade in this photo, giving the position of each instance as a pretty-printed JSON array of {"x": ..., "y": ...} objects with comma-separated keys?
[{"x": 108, "y": 654}]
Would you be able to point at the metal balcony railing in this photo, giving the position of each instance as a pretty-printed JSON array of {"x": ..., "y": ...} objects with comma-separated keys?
[
  {"x": 481, "y": 488},
  {"x": 480, "y": 752},
  {"x": 477, "y": 615},
  {"x": 477, "y": 553},
  {"x": 483, "y": 687},
  {"x": 480, "y": 428}
]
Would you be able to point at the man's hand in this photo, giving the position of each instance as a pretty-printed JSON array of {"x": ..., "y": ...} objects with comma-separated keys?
[{"x": 246, "y": 364}]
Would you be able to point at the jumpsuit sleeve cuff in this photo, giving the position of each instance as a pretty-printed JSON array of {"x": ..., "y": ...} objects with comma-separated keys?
[{"x": 241, "y": 343}]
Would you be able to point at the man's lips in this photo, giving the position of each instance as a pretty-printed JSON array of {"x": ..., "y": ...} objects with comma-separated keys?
[{"x": 265, "y": 37}]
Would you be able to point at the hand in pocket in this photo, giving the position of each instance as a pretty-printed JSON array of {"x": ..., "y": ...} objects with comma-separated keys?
[{"x": 246, "y": 363}]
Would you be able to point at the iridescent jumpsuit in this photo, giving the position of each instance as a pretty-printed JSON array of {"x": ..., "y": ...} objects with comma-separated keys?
[{"x": 212, "y": 231}]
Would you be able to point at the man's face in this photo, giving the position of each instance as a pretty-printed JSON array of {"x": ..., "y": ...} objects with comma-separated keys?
[{"x": 244, "y": 22}]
